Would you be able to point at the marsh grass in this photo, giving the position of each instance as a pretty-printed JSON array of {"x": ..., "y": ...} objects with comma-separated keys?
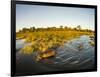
[{"x": 44, "y": 39}]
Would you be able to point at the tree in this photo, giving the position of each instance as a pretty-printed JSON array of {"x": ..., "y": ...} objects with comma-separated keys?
[
  {"x": 66, "y": 27},
  {"x": 78, "y": 27},
  {"x": 24, "y": 29},
  {"x": 32, "y": 29},
  {"x": 61, "y": 27}
]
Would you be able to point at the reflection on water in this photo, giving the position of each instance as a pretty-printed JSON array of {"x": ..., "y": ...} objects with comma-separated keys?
[
  {"x": 20, "y": 43},
  {"x": 77, "y": 54}
]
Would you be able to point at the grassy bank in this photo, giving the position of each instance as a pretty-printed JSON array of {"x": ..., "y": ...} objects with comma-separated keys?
[{"x": 44, "y": 39}]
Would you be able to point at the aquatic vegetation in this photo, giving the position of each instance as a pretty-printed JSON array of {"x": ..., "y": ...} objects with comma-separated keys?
[
  {"x": 46, "y": 54},
  {"x": 92, "y": 43},
  {"x": 43, "y": 39},
  {"x": 27, "y": 50},
  {"x": 80, "y": 47}
]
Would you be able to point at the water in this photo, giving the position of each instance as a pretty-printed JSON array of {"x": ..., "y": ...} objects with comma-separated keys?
[
  {"x": 71, "y": 51},
  {"x": 68, "y": 57},
  {"x": 20, "y": 43}
]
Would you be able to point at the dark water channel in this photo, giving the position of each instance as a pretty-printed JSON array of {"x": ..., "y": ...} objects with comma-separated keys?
[{"x": 68, "y": 57}]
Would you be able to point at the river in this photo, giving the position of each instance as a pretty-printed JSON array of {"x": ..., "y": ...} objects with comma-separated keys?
[{"x": 68, "y": 57}]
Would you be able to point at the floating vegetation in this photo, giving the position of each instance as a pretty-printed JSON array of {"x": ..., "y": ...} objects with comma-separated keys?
[
  {"x": 92, "y": 43},
  {"x": 92, "y": 38},
  {"x": 27, "y": 49},
  {"x": 80, "y": 47},
  {"x": 45, "y": 55}
]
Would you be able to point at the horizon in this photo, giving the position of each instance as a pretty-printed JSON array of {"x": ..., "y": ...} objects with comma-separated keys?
[{"x": 55, "y": 27}]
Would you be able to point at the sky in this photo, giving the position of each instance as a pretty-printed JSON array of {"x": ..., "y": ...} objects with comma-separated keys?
[{"x": 50, "y": 16}]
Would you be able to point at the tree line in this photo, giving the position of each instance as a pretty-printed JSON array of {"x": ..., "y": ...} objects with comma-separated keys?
[{"x": 61, "y": 28}]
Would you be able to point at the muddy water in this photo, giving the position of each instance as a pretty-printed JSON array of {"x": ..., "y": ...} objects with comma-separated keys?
[{"x": 68, "y": 57}]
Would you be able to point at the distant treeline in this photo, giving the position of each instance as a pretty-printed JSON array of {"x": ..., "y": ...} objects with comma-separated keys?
[{"x": 61, "y": 28}]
